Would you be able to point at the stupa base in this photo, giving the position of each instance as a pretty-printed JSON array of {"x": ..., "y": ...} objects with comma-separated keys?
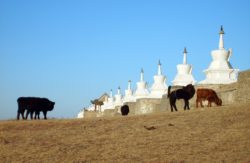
[{"x": 226, "y": 76}]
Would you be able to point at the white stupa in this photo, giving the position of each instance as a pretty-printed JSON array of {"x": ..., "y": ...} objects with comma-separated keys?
[
  {"x": 141, "y": 91},
  {"x": 81, "y": 114},
  {"x": 129, "y": 94},
  {"x": 109, "y": 103},
  {"x": 220, "y": 71},
  {"x": 159, "y": 86},
  {"x": 118, "y": 97},
  {"x": 184, "y": 73}
]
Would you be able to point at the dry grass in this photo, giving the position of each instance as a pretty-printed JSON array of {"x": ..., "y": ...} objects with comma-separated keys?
[{"x": 200, "y": 135}]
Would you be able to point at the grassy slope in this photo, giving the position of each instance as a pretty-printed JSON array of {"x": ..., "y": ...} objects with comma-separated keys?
[{"x": 200, "y": 135}]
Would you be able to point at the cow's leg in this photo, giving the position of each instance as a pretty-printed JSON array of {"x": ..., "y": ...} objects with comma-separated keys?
[
  {"x": 171, "y": 105},
  {"x": 27, "y": 114},
  {"x": 187, "y": 104},
  {"x": 172, "y": 102},
  {"x": 22, "y": 113},
  {"x": 35, "y": 114},
  {"x": 201, "y": 103},
  {"x": 19, "y": 111},
  {"x": 45, "y": 114},
  {"x": 31, "y": 114},
  {"x": 38, "y": 115},
  {"x": 18, "y": 115},
  {"x": 175, "y": 107},
  {"x": 197, "y": 103},
  {"x": 186, "y": 107},
  {"x": 209, "y": 103}
]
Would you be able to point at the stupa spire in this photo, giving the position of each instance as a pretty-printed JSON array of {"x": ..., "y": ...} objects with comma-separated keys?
[
  {"x": 221, "y": 42},
  {"x": 159, "y": 86},
  {"x": 141, "y": 90},
  {"x": 184, "y": 72},
  {"x": 119, "y": 90},
  {"x": 111, "y": 93},
  {"x": 129, "y": 85},
  {"x": 129, "y": 94},
  {"x": 159, "y": 67},
  {"x": 185, "y": 56},
  {"x": 142, "y": 75}
]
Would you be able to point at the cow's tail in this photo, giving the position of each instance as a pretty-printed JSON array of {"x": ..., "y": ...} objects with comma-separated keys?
[
  {"x": 169, "y": 88},
  {"x": 19, "y": 100},
  {"x": 18, "y": 109}
]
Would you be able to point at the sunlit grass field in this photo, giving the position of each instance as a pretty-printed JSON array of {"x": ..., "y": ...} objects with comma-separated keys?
[{"x": 217, "y": 134}]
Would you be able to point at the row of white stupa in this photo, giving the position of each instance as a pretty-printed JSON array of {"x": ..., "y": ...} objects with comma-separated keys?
[{"x": 219, "y": 71}]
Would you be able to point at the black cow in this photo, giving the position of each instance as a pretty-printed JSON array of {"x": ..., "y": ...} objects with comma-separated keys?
[
  {"x": 185, "y": 93},
  {"x": 125, "y": 110},
  {"x": 33, "y": 104}
]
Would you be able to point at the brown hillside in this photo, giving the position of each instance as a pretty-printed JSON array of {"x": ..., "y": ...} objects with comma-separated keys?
[{"x": 218, "y": 134}]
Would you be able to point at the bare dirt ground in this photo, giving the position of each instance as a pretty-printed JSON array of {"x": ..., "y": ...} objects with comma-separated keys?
[{"x": 217, "y": 134}]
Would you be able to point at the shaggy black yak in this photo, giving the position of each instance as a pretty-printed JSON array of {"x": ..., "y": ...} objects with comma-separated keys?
[
  {"x": 33, "y": 104},
  {"x": 125, "y": 110},
  {"x": 184, "y": 93}
]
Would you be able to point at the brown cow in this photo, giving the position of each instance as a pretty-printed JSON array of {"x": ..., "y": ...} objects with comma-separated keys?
[{"x": 209, "y": 95}]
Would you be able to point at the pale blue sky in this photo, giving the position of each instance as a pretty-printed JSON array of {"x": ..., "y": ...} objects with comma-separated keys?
[{"x": 74, "y": 51}]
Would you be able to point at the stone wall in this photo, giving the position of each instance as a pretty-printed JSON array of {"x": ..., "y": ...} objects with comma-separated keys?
[
  {"x": 132, "y": 106},
  {"x": 243, "y": 86},
  {"x": 111, "y": 112},
  {"x": 147, "y": 105},
  {"x": 229, "y": 94},
  {"x": 144, "y": 106},
  {"x": 90, "y": 114}
]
